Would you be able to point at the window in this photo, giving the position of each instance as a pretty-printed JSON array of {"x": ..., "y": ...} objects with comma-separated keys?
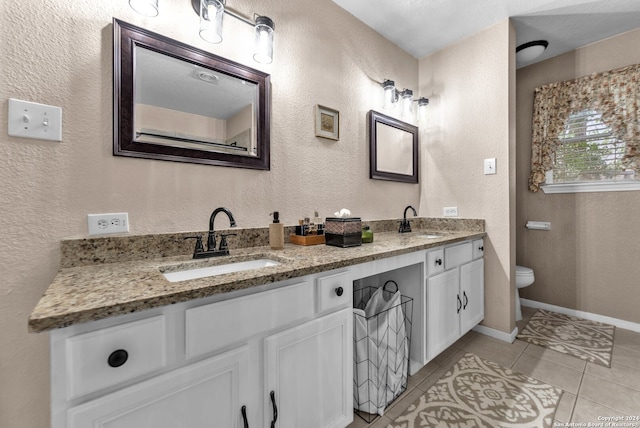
[
  {"x": 588, "y": 151},
  {"x": 586, "y": 134}
]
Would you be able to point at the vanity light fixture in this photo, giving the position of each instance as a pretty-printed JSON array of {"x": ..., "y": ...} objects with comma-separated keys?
[
  {"x": 531, "y": 50},
  {"x": 392, "y": 95},
  {"x": 262, "y": 26},
  {"x": 145, "y": 7},
  {"x": 211, "y": 13}
]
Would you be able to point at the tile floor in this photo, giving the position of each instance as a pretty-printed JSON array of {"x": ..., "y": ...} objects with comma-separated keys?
[{"x": 590, "y": 390}]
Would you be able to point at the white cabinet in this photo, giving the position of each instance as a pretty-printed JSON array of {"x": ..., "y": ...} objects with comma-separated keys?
[
  {"x": 207, "y": 393},
  {"x": 443, "y": 319},
  {"x": 472, "y": 288},
  {"x": 214, "y": 363},
  {"x": 308, "y": 372},
  {"x": 239, "y": 359},
  {"x": 109, "y": 356},
  {"x": 455, "y": 297}
]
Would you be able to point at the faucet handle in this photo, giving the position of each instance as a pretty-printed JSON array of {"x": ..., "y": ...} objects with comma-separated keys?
[
  {"x": 199, "y": 247},
  {"x": 223, "y": 240},
  {"x": 405, "y": 226}
]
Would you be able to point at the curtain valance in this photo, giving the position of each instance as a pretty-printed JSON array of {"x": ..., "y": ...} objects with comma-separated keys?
[{"x": 613, "y": 93}]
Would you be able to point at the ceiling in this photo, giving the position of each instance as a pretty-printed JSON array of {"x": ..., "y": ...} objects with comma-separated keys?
[{"x": 422, "y": 27}]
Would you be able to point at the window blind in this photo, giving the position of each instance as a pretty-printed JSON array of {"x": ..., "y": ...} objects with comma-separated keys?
[{"x": 588, "y": 150}]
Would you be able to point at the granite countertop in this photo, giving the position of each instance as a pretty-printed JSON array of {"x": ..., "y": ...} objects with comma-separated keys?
[{"x": 92, "y": 292}]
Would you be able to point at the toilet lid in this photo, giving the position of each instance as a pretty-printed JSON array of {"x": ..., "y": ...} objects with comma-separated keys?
[{"x": 522, "y": 270}]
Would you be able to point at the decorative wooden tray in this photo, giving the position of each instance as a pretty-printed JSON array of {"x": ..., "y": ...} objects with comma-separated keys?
[{"x": 306, "y": 240}]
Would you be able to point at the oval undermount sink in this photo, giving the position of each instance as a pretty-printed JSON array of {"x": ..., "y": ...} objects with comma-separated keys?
[
  {"x": 430, "y": 236},
  {"x": 203, "y": 272}
]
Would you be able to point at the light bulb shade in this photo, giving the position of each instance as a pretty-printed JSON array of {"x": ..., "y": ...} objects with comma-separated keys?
[
  {"x": 407, "y": 100},
  {"x": 211, "y": 14},
  {"x": 422, "y": 108},
  {"x": 145, "y": 7},
  {"x": 389, "y": 94},
  {"x": 263, "y": 42}
]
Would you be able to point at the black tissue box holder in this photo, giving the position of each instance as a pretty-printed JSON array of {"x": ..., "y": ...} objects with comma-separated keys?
[{"x": 343, "y": 231}]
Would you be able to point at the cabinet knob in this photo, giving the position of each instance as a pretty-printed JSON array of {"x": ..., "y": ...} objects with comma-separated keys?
[
  {"x": 439, "y": 262},
  {"x": 118, "y": 358},
  {"x": 481, "y": 248},
  {"x": 339, "y": 291}
]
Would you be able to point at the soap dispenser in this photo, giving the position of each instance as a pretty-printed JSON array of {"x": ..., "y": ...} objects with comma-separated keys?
[{"x": 276, "y": 232}]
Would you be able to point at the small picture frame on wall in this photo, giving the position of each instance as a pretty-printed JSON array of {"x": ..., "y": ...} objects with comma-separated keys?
[{"x": 327, "y": 123}]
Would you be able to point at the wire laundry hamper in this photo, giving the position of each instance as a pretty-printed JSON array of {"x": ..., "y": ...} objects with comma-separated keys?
[{"x": 381, "y": 350}]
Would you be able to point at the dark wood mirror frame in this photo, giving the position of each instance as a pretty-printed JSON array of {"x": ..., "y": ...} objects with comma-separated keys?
[
  {"x": 376, "y": 118},
  {"x": 125, "y": 38}
]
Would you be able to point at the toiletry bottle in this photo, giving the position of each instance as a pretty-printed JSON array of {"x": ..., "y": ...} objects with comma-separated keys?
[
  {"x": 276, "y": 232},
  {"x": 367, "y": 235}
]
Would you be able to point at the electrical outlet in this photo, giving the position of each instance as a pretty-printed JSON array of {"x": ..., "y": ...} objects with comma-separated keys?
[
  {"x": 108, "y": 223},
  {"x": 450, "y": 211}
]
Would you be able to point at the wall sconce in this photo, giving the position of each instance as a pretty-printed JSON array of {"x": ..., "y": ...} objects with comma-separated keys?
[
  {"x": 211, "y": 13},
  {"x": 392, "y": 95}
]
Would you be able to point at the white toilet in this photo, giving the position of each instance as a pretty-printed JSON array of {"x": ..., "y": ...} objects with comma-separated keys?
[{"x": 524, "y": 278}]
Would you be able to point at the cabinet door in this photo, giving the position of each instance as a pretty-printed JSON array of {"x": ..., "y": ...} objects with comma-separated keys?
[
  {"x": 204, "y": 394},
  {"x": 443, "y": 319},
  {"x": 309, "y": 368},
  {"x": 472, "y": 294}
]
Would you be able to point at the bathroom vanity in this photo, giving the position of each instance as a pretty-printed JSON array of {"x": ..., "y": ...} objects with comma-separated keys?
[{"x": 250, "y": 348}]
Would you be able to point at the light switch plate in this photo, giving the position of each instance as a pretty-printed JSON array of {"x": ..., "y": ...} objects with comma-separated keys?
[
  {"x": 33, "y": 120},
  {"x": 489, "y": 166}
]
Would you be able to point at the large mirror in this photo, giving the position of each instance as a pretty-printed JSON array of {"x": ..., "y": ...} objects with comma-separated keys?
[
  {"x": 393, "y": 149},
  {"x": 178, "y": 103}
]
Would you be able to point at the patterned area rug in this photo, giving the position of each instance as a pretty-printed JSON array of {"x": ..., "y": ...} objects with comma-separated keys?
[
  {"x": 479, "y": 393},
  {"x": 588, "y": 340}
]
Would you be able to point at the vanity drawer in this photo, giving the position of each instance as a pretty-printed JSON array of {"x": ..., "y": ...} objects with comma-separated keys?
[
  {"x": 435, "y": 262},
  {"x": 112, "y": 355},
  {"x": 215, "y": 326},
  {"x": 334, "y": 291},
  {"x": 458, "y": 254},
  {"x": 478, "y": 248}
]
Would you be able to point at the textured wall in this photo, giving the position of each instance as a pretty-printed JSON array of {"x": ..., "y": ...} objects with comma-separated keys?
[
  {"x": 468, "y": 85},
  {"x": 59, "y": 52},
  {"x": 589, "y": 259}
]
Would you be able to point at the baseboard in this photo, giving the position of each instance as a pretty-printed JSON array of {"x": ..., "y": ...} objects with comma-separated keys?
[
  {"x": 627, "y": 325},
  {"x": 497, "y": 334}
]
